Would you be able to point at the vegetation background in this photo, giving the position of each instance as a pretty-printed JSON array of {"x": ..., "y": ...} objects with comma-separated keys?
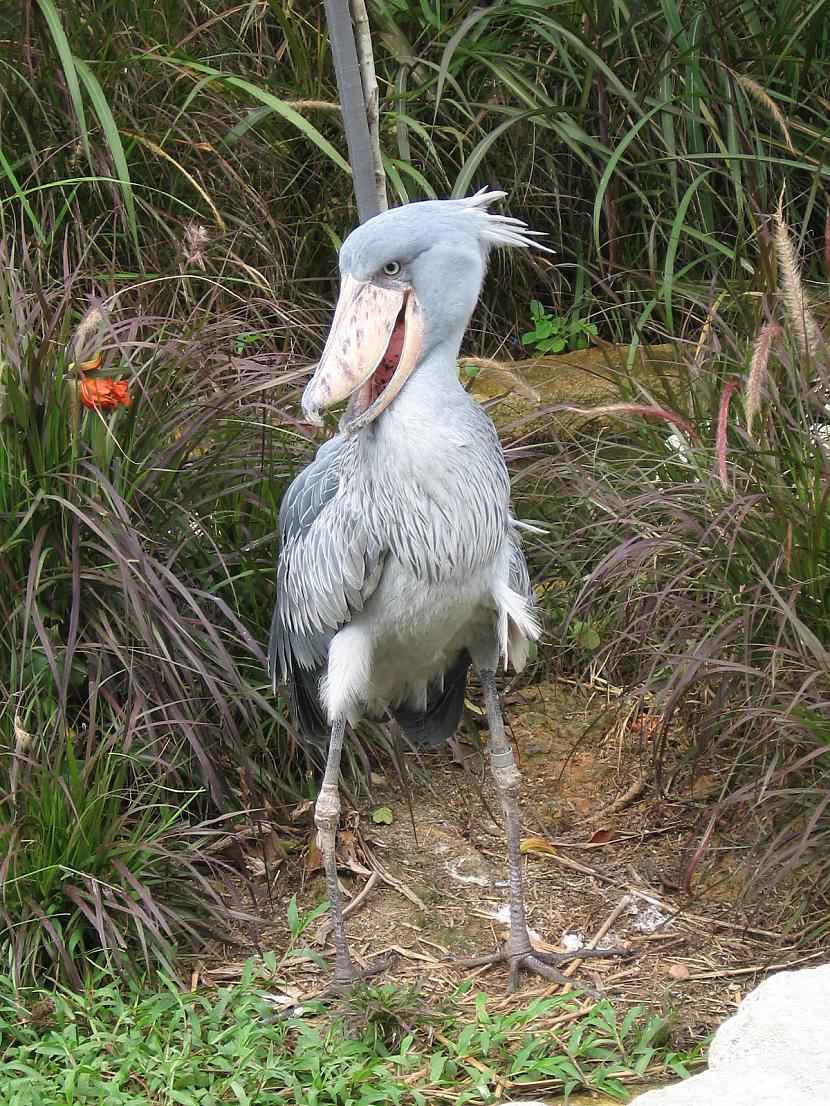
[{"x": 172, "y": 192}]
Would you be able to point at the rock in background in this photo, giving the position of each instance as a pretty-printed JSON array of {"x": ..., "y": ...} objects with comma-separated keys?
[{"x": 774, "y": 1052}]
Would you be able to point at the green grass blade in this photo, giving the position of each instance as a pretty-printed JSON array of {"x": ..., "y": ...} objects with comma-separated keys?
[
  {"x": 53, "y": 20},
  {"x": 110, "y": 129},
  {"x": 674, "y": 241},
  {"x": 276, "y": 105},
  {"x": 614, "y": 161},
  {"x": 476, "y": 156},
  {"x": 21, "y": 195},
  {"x": 467, "y": 23}
]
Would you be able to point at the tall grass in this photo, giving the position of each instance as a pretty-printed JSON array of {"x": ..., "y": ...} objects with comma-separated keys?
[
  {"x": 137, "y": 563},
  {"x": 701, "y": 562},
  {"x": 646, "y": 139}
]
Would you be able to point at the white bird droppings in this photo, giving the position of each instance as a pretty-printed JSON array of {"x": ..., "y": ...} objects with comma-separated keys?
[{"x": 647, "y": 913}]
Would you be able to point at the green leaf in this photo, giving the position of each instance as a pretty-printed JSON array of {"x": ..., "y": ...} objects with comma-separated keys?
[
  {"x": 584, "y": 635},
  {"x": 293, "y": 916},
  {"x": 68, "y": 63},
  {"x": 613, "y": 161},
  {"x": 21, "y": 195},
  {"x": 274, "y": 104},
  {"x": 383, "y": 816},
  {"x": 110, "y": 129}
]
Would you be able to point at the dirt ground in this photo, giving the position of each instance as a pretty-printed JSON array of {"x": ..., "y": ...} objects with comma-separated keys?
[{"x": 607, "y": 861}]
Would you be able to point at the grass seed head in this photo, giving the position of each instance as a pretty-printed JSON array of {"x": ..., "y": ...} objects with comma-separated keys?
[
  {"x": 88, "y": 326},
  {"x": 193, "y": 246},
  {"x": 758, "y": 371},
  {"x": 805, "y": 328},
  {"x": 723, "y": 416}
]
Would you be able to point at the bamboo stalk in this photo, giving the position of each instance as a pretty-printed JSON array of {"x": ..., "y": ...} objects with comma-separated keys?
[
  {"x": 353, "y": 105},
  {"x": 368, "y": 77}
]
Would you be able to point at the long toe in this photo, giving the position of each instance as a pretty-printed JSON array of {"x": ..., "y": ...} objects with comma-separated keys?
[
  {"x": 358, "y": 975},
  {"x": 336, "y": 988},
  {"x": 549, "y": 971},
  {"x": 558, "y": 958},
  {"x": 546, "y": 964}
]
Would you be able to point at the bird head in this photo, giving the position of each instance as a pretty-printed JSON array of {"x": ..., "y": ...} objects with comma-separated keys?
[{"x": 410, "y": 279}]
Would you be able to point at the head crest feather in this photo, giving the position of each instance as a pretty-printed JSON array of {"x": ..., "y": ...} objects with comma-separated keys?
[{"x": 498, "y": 230}]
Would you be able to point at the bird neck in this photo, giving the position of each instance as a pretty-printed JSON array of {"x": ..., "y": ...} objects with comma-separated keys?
[
  {"x": 438, "y": 368},
  {"x": 433, "y": 387},
  {"x": 429, "y": 398}
]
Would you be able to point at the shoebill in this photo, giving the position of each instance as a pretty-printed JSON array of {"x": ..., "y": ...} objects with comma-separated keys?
[{"x": 401, "y": 564}]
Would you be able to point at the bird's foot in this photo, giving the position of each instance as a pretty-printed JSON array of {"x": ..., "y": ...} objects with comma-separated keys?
[
  {"x": 545, "y": 964},
  {"x": 340, "y": 985},
  {"x": 345, "y": 981}
]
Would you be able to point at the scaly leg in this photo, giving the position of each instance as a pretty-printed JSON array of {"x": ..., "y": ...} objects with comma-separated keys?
[
  {"x": 327, "y": 819},
  {"x": 517, "y": 951}
]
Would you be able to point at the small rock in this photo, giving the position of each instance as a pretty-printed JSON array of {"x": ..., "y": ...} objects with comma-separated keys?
[
  {"x": 773, "y": 1052},
  {"x": 678, "y": 971}
]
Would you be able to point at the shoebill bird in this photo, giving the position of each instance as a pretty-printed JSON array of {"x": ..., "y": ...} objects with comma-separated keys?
[{"x": 401, "y": 563}]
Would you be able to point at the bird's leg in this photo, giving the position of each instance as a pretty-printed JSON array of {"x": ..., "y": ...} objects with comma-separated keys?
[
  {"x": 517, "y": 951},
  {"x": 327, "y": 819},
  {"x": 508, "y": 781}
]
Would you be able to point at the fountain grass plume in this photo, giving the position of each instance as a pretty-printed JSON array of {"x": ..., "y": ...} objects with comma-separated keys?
[
  {"x": 805, "y": 328},
  {"x": 87, "y": 327},
  {"x": 649, "y": 410},
  {"x": 758, "y": 370},
  {"x": 723, "y": 415}
]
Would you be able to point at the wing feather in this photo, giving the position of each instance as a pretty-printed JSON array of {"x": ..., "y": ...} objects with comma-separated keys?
[{"x": 330, "y": 563}]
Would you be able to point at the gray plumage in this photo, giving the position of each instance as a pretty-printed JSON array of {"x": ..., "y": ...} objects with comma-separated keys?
[{"x": 400, "y": 563}]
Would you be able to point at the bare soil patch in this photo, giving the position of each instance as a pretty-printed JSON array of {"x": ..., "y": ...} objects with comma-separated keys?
[{"x": 607, "y": 860}]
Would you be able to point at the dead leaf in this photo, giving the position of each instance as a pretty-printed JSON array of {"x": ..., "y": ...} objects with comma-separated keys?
[
  {"x": 377, "y": 780},
  {"x": 314, "y": 858},
  {"x": 349, "y": 853},
  {"x": 273, "y": 851},
  {"x": 461, "y": 750},
  {"x": 536, "y": 845},
  {"x": 601, "y": 837},
  {"x": 41, "y": 1014}
]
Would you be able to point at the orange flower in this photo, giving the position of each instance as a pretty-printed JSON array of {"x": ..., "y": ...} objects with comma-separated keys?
[{"x": 103, "y": 393}]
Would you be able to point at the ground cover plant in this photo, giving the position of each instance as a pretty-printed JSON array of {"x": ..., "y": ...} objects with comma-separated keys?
[{"x": 126, "y": 1048}]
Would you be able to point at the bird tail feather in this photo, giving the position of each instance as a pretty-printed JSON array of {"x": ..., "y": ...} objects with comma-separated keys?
[
  {"x": 437, "y": 722},
  {"x": 306, "y": 706},
  {"x": 518, "y": 626}
]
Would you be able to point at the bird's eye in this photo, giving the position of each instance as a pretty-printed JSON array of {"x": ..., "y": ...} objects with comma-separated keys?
[{"x": 392, "y": 268}]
